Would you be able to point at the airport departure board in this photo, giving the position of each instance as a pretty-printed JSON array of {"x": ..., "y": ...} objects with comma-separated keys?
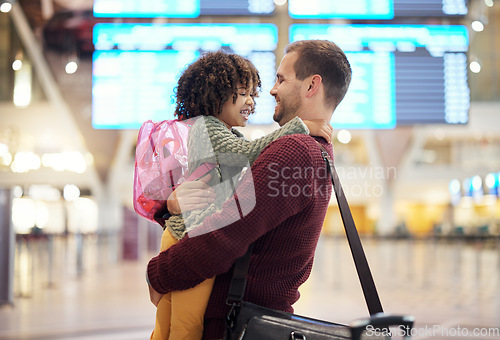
[
  {"x": 375, "y": 9},
  {"x": 148, "y": 8},
  {"x": 402, "y": 75},
  {"x": 180, "y": 9},
  {"x": 236, "y": 7},
  {"x": 136, "y": 67}
]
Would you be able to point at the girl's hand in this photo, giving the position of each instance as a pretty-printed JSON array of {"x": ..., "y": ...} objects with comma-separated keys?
[
  {"x": 154, "y": 296},
  {"x": 190, "y": 196},
  {"x": 320, "y": 128}
]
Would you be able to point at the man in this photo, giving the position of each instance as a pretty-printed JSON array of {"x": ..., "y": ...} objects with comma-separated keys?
[{"x": 292, "y": 190}]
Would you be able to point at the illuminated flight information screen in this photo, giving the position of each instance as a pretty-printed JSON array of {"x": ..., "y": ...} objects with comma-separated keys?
[
  {"x": 236, "y": 7},
  {"x": 181, "y": 9},
  {"x": 149, "y": 8},
  {"x": 136, "y": 67},
  {"x": 375, "y": 9},
  {"x": 402, "y": 75}
]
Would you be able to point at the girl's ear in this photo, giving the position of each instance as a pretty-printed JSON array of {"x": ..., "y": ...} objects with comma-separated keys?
[{"x": 314, "y": 84}]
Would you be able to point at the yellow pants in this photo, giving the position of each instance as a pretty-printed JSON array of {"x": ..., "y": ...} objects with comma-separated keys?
[{"x": 179, "y": 314}]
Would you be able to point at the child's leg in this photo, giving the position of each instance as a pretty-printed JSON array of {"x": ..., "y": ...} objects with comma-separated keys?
[
  {"x": 163, "y": 318},
  {"x": 164, "y": 308},
  {"x": 188, "y": 310}
]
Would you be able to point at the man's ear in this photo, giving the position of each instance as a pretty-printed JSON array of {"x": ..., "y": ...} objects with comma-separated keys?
[{"x": 314, "y": 84}]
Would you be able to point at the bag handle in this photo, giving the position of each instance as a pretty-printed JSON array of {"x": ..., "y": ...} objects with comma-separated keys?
[{"x": 238, "y": 282}]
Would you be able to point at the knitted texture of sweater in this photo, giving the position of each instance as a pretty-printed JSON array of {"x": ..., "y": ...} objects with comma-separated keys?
[
  {"x": 210, "y": 141},
  {"x": 292, "y": 189}
]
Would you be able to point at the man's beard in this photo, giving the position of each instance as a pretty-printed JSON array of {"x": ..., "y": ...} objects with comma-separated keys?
[{"x": 287, "y": 110}]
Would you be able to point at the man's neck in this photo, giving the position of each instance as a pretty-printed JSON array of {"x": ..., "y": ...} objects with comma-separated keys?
[
  {"x": 311, "y": 112},
  {"x": 312, "y": 115}
]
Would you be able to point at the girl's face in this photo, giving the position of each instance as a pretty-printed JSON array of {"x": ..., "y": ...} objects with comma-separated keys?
[{"x": 236, "y": 114}]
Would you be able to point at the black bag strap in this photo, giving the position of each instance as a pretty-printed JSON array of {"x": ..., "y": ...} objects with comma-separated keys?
[
  {"x": 238, "y": 282},
  {"x": 364, "y": 273}
]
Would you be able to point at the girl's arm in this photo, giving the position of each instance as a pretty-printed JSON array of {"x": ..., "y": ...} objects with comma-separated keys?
[
  {"x": 215, "y": 143},
  {"x": 234, "y": 151},
  {"x": 212, "y": 142}
]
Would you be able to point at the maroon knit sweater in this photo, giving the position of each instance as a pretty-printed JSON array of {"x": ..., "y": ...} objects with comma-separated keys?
[{"x": 291, "y": 189}]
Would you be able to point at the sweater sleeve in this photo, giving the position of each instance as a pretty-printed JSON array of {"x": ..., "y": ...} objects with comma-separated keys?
[
  {"x": 228, "y": 149},
  {"x": 213, "y": 252}
]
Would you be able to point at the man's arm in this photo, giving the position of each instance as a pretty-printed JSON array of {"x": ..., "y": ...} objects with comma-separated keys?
[{"x": 195, "y": 259}]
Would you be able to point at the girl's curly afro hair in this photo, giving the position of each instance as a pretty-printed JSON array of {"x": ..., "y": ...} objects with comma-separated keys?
[{"x": 210, "y": 81}]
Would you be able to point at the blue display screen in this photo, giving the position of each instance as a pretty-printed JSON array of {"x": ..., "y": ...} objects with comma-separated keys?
[
  {"x": 149, "y": 8},
  {"x": 375, "y": 9},
  {"x": 353, "y": 9},
  {"x": 136, "y": 67},
  {"x": 236, "y": 7},
  {"x": 180, "y": 9},
  {"x": 131, "y": 87},
  {"x": 402, "y": 75}
]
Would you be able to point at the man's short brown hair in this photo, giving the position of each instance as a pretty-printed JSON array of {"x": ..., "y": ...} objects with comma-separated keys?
[{"x": 326, "y": 59}]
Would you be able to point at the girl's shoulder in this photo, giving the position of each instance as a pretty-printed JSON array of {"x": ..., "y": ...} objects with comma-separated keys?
[{"x": 207, "y": 123}]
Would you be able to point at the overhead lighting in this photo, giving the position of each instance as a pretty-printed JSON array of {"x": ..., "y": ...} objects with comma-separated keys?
[
  {"x": 455, "y": 187},
  {"x": 475, "y": 67},
  {"x": 5, "y": 155},
  {"x": 344, "y": 136},
  {"x": 477, "y": 183},
  {"x": 65, "y": 161},
  {"x": 25, "y": 161},
  {"x": 17, "y": 64},
  {"x": 71, "y": 67},
  {"x": 23, "y": 215},
  {"x": 491, "y": 181},
  {"x": 44, "y": 192},
  {"x": 5, "y": 7},
  {"x": 488, "y": 3},
  {"x": 71, "y": 192},
  {"x": 477, "y": 26},
  {"x": 22, "y": 84},
  {"x": 17, "y": 191}
]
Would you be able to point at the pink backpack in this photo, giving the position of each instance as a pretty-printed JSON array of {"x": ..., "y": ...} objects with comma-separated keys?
[{"x": 161, "y": 164}]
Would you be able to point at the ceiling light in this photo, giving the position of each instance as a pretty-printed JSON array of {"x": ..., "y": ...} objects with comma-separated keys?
[
  {"x": 477, "y": 26},
  {"x": 5, "y": 7},
  {"x": 344, "y": 136},
  {"x": 71, "y": 192},
  {"x": 17, "y": 64},
  {"x": 475, "y": 67},
  {"x": 71, "y": 67}
]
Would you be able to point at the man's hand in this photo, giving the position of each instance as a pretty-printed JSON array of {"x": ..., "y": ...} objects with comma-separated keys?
[
  {"x": 154, "y": 296},
  {"x": 190, "y": 196},
  {"x": 320, "y": 128}
]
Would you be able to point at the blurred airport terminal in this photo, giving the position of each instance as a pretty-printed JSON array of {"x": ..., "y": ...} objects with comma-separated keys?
[{"x": 417, "y": 148}]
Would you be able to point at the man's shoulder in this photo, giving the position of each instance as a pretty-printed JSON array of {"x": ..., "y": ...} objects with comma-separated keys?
[
  {"x": 294, "y": 147},
  {"x": 295, "y": 143}
]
